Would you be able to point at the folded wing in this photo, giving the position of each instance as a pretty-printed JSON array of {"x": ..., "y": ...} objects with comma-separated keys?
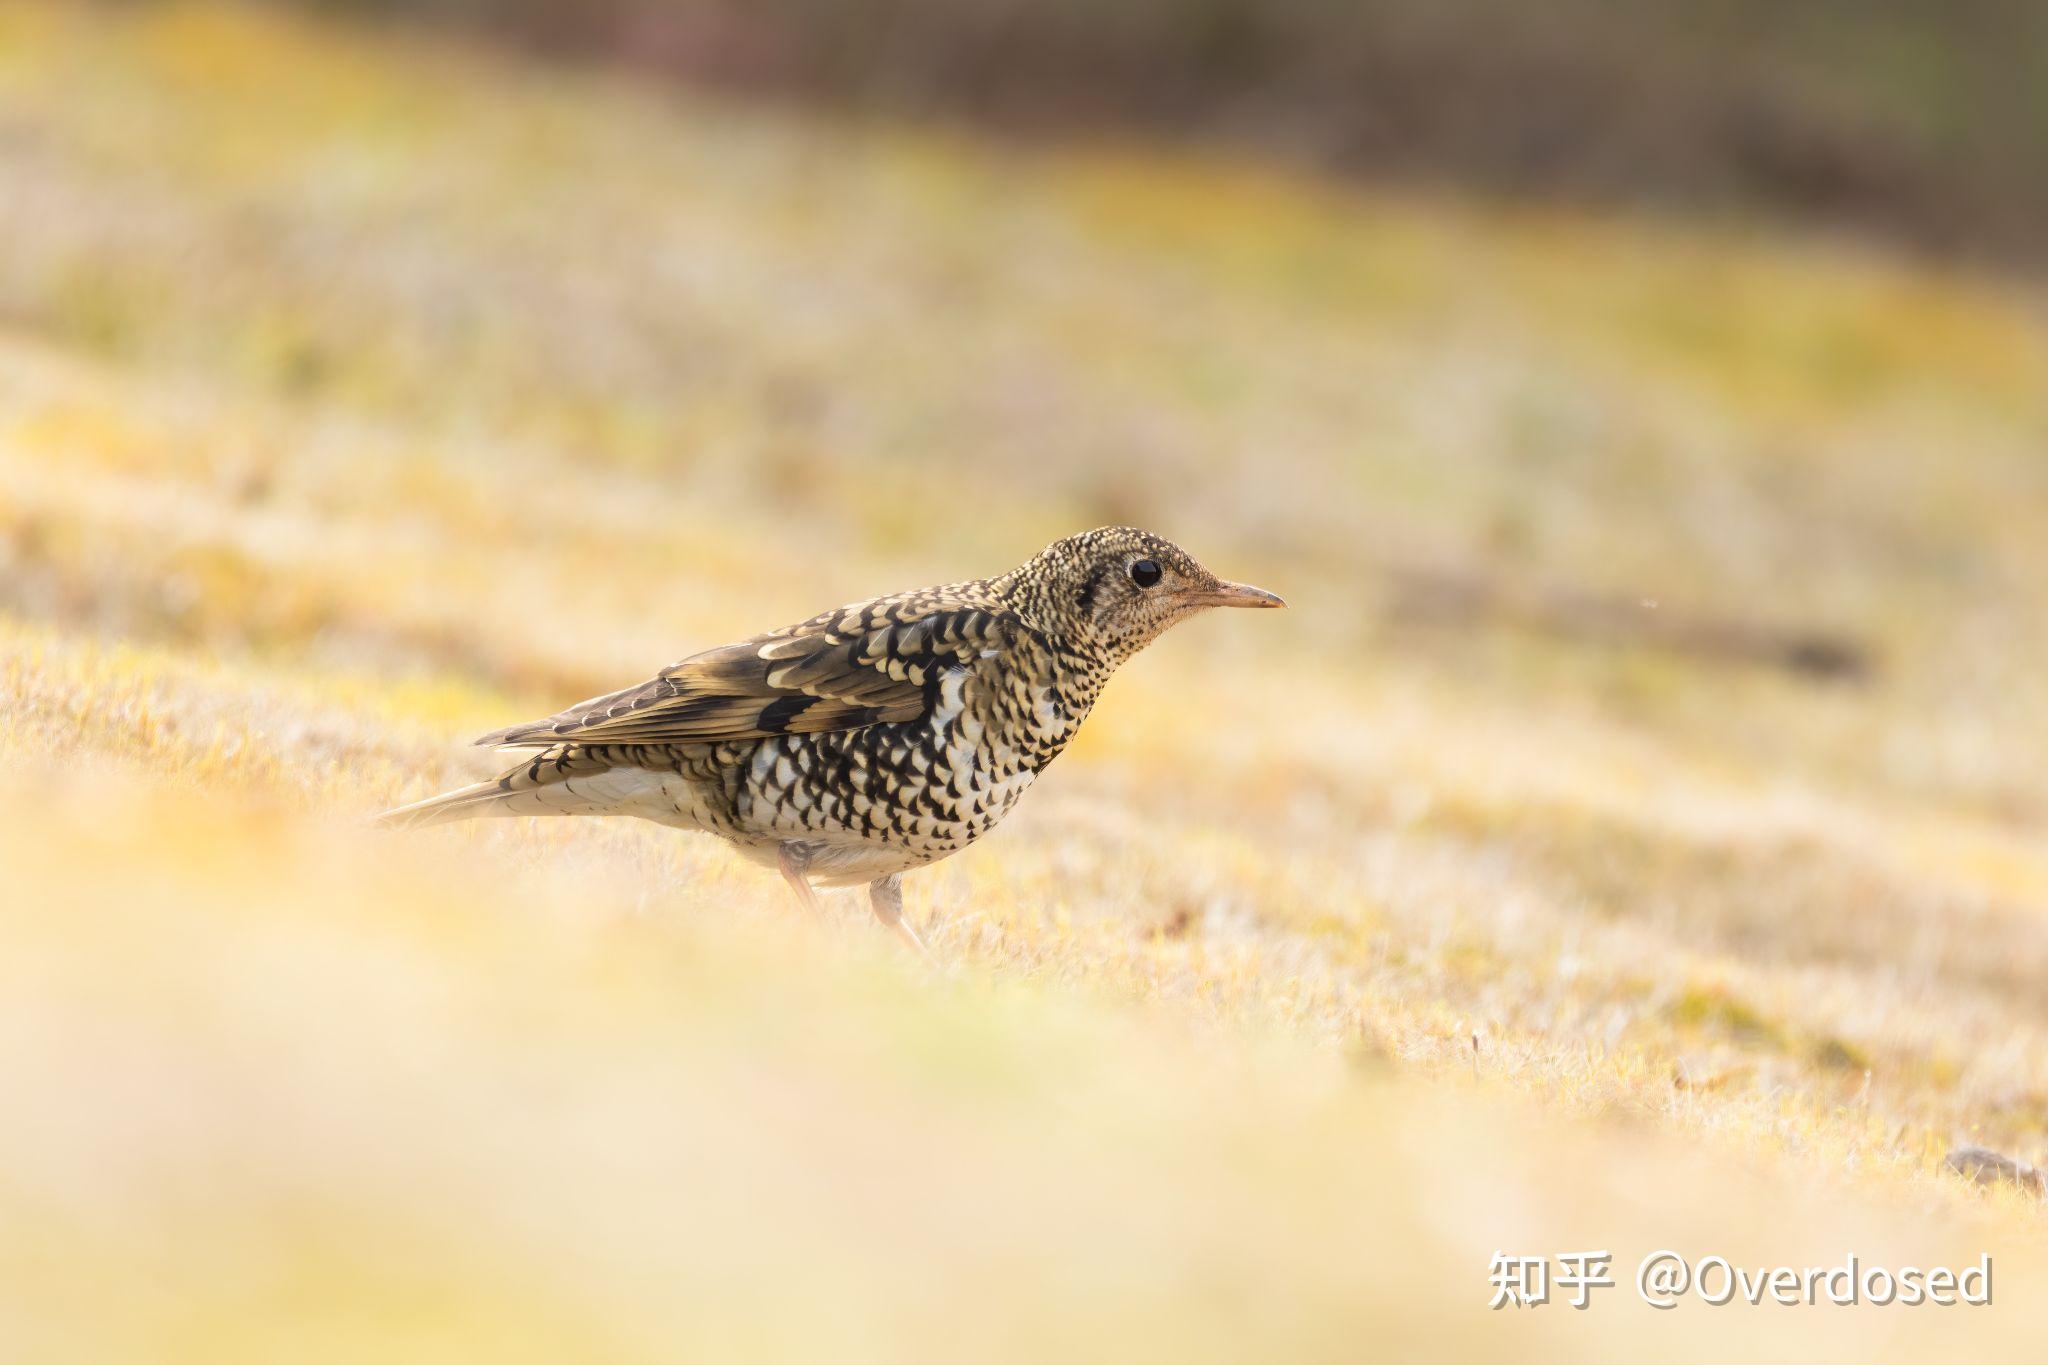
[{"x": 861, "y": 665}]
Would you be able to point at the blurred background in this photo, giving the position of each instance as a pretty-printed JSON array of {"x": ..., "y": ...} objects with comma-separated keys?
[
  {"x": 1633, "y": 834},
  {"x": 1915, "y": 119}
]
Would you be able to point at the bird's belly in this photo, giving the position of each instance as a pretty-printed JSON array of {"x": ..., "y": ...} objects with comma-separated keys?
[{"x": 874, "y": 802}]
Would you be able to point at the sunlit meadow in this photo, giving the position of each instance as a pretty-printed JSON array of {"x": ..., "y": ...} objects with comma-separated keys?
[{"x": 1633, "y": 835}]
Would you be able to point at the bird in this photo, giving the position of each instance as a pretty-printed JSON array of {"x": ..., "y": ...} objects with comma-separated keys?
[{"x": 869, "y": 740}]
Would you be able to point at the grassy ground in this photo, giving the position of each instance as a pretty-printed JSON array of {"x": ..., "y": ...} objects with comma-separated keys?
[{"x": 357, "y": 396}]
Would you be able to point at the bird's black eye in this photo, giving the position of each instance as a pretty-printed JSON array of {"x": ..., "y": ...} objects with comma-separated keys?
[{"x": 1145, "y": 572}]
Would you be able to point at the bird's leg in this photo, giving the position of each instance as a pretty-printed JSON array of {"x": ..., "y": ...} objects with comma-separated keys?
[
  {"x": 792, "y": 866},
  {"x": 886, "y": 895}
]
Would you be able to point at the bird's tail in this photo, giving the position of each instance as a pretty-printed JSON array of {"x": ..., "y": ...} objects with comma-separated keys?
[
  {"x": 464, "y": 803},
  {"x": 563, "y": 780}
]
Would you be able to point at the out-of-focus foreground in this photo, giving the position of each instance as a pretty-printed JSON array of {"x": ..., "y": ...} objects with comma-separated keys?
[{"x": 1632, "y": 837}]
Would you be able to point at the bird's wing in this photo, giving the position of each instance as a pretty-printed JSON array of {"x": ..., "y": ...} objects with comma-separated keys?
[{"x": 862, "y": 664}]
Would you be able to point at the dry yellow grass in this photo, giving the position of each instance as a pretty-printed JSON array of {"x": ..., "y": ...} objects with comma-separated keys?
[{"x": 357, "y": 395}]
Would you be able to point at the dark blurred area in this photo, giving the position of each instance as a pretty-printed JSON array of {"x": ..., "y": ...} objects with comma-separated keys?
[{"x": 1921, "y": 121}]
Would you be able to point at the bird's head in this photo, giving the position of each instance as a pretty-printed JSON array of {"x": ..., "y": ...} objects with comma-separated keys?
[{"x": 1119, "y": 588}]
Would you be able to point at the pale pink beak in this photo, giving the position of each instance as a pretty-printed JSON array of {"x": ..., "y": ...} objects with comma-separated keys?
[{"x": 1233, "y": 595}]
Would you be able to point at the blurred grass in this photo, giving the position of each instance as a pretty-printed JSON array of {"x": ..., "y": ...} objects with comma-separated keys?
[
  {"x": 406, "y": 1107},
  {"x": 359, "y": 395}
]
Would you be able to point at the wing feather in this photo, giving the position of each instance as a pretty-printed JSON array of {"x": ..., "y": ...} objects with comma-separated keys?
[{"x": 859, "y": 665}]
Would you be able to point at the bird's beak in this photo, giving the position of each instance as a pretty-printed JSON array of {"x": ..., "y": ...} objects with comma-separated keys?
[{"x": 1234, "y": 595}]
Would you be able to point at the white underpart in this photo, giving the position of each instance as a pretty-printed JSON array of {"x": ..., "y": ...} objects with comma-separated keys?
[{"x": 664, "y": 797}]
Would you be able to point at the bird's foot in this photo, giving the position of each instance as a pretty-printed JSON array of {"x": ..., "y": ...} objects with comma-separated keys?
[
  {"x": 886, "y": 895},
  {"x": 791, "y": 864}
]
